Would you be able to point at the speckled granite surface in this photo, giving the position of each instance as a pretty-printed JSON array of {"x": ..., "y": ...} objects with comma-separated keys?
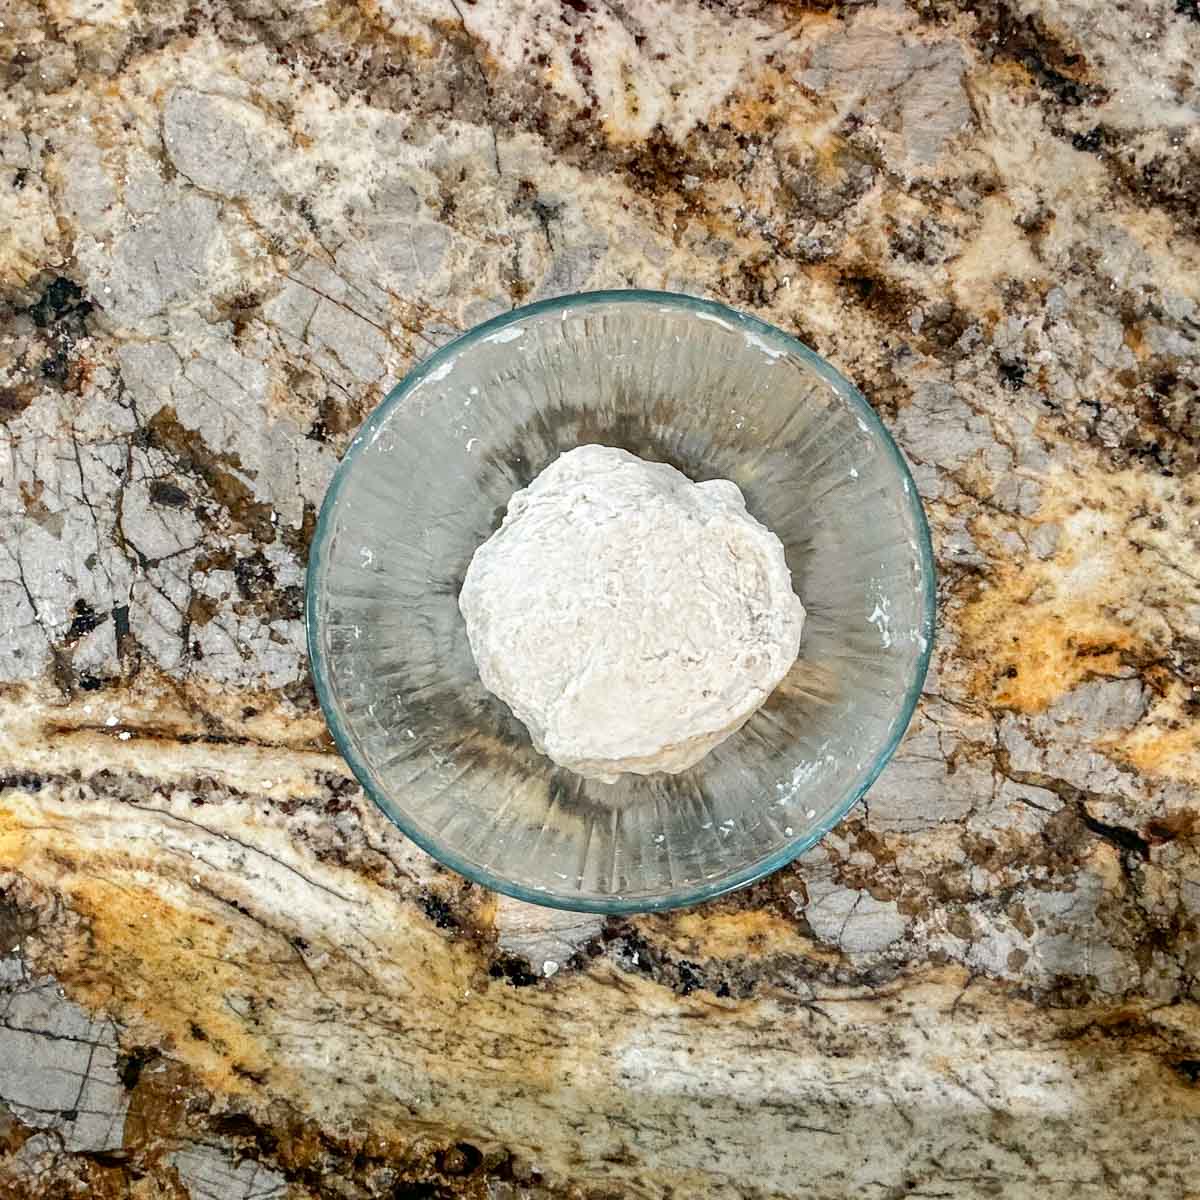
[{"x": 226, "y": 228}]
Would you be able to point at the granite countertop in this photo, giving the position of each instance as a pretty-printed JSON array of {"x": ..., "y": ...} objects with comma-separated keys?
[{"x": 227, "y": 228}]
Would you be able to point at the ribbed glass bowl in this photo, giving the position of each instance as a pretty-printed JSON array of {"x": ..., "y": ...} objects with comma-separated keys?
[{"x": 716, "y": 394}]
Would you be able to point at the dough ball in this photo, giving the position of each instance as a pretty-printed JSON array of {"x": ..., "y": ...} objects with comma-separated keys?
[{"x": 632, "y": 619}]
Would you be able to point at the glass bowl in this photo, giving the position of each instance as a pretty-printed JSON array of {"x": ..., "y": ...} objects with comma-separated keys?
[{"x": 717, "y": 394}]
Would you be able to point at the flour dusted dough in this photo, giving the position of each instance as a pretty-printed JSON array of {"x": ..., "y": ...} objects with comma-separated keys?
[{"x": 632, "y": 619}]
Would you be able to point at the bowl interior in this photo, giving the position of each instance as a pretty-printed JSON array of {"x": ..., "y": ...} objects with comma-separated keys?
[{"x": 673, "y": 379}]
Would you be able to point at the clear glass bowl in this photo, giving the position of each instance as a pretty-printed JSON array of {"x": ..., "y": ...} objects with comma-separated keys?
[{"x": 718, "y": 395}]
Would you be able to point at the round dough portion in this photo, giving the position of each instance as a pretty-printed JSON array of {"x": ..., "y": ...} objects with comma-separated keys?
[{"x": 630, "y": 618}]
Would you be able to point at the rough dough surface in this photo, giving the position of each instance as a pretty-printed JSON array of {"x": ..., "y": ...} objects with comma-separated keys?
[{"x": 632, "y": 619}]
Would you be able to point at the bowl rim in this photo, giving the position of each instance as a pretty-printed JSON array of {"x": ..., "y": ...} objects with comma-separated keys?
[{"x": 755, "y": 870}]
